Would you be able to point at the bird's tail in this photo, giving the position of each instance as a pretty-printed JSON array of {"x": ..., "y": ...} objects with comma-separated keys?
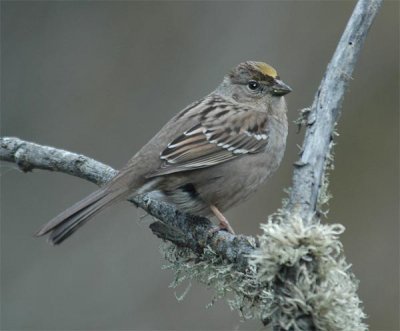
[{"x": 66, "y": 223}]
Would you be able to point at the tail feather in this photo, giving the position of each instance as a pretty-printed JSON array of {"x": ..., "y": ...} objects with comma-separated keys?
[{"x": 66, "y": 223}]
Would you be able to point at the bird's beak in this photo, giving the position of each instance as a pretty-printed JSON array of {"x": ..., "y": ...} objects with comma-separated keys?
[{"x": 279, "y": 88}]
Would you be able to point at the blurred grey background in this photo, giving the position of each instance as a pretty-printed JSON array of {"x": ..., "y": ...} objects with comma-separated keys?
[{"x": 100, "y": 78}]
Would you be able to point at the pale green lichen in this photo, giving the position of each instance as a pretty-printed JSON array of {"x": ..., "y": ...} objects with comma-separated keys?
[
  {"x": 324, "y": 195},
  {"x": 323, "y": 286},
  {"x": 302, "y": 120},
  {"x": 242, "y": 290},
  {"x": 298, "y": 270}
]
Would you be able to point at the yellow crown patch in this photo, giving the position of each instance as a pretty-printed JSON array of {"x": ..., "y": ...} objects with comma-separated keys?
[{"x": 265, "y": 69}]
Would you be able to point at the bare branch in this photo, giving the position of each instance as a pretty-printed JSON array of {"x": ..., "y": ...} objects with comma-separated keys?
[
  {"x": 326, "y": 108},
  {"x": 182, "y": 229},
  {"x": 28, "y": 156},
  {"x": 309, "y": 185}
]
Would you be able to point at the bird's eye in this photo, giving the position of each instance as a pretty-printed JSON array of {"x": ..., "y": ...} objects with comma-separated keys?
[{"x": 253, "y": 85}]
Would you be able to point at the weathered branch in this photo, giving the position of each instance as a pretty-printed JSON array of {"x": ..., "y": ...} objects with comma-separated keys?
[
  {"x": 182, "y": 229},
  {"x": 297, "y": 276},
  {"x": 308, "y": 177},
  {"x": 326, "y": 109}
]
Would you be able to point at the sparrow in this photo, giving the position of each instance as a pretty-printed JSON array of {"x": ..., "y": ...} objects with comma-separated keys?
[{"x": 209, "y": 157}]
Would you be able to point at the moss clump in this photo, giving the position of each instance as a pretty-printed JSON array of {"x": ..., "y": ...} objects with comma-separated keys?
[
  {"x": 242, "y": 290},
  {"x": 297, "y": 278},
  {"x": 308, "y": 262},
  {"x": 320, "y": 284}
]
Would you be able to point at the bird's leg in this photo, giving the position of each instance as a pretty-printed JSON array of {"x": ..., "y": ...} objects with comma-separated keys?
[{"x": 223, "y": 222}]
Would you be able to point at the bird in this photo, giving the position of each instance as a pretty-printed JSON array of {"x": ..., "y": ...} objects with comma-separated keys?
[{"x": 209, "y": 157}]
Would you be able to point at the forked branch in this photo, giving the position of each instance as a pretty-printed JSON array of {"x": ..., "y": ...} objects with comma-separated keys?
[{"x": 296, "y": 276}]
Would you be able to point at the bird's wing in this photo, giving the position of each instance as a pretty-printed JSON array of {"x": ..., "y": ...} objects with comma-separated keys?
[{"x": 224, "y": 132}]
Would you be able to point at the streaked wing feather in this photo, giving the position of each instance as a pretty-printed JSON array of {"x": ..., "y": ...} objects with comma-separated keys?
[
  {"x": 194, "y": 152},
  {"x": 215, "y": 139}
]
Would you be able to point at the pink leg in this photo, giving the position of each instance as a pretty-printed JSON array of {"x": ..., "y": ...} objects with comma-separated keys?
[{"x": 223, "y": 222}]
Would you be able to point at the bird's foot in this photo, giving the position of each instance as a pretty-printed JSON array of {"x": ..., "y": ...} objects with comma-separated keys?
[{"x": 223, "y": 222}]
